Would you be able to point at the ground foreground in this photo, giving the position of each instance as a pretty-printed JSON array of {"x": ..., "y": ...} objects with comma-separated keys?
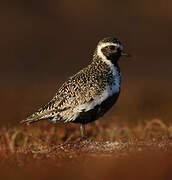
[{"x": 44, "y": 151}]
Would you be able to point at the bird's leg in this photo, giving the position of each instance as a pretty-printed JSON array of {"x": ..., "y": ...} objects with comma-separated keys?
[{"x": 82, "y": 128}]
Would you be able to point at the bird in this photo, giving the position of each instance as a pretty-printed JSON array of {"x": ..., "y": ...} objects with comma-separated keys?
[{"x": 90, "y": 93}]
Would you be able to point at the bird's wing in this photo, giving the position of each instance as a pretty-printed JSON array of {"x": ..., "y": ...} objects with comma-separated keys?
[{"x": 80, "y": 93}]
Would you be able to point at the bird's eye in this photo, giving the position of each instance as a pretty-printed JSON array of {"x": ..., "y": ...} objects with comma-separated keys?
[{"x": 111, "y": 47}]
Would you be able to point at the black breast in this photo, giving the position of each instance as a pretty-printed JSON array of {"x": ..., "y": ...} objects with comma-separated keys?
[{"x": 98, "y": 111}]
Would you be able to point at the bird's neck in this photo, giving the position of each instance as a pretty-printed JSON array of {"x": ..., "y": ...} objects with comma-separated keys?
[
  {"x": 104, "y": 60},
  {"x": 111, "y": 68}
]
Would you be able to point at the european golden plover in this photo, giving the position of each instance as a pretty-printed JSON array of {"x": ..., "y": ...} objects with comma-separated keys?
[{"x": 90, "y": 93}]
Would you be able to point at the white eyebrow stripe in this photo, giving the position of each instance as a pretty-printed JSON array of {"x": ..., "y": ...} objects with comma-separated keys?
[
  {"x": 100, "y": 46},
  {"x": 108, "y": 44}
]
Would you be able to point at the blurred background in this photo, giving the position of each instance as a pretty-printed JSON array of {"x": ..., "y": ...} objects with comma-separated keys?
[{"x": 43, "y": 42}]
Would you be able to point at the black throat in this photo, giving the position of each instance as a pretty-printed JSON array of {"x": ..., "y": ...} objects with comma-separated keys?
[{"x": 114, "y": 58}]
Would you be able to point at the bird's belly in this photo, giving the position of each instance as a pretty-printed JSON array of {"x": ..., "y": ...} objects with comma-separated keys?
[{"x": 97, "y": 111}]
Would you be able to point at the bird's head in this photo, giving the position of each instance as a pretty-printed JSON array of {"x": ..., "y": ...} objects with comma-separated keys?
[{"x": 110, "y": 49}]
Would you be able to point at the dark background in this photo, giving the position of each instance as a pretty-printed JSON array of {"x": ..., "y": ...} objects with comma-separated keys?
[{"x": 43, "y": 42}]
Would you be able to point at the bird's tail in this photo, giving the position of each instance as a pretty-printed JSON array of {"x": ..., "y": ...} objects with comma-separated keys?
[
  {"x": 33, "y": 118},
  {"x": 28, "y": 121}
]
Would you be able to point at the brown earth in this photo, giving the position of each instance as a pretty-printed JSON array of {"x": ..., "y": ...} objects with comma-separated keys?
[{"x": 44, "y": 151}]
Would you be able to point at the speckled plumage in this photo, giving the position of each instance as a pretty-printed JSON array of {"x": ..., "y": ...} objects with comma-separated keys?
[{"x": 88, "y": 94}]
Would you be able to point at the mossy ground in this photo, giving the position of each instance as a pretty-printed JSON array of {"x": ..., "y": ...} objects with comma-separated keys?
[{"x": 45, "y": 150}]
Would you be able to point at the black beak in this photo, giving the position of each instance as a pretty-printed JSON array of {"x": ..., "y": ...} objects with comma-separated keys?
[{"x": 125, "y": 54}]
